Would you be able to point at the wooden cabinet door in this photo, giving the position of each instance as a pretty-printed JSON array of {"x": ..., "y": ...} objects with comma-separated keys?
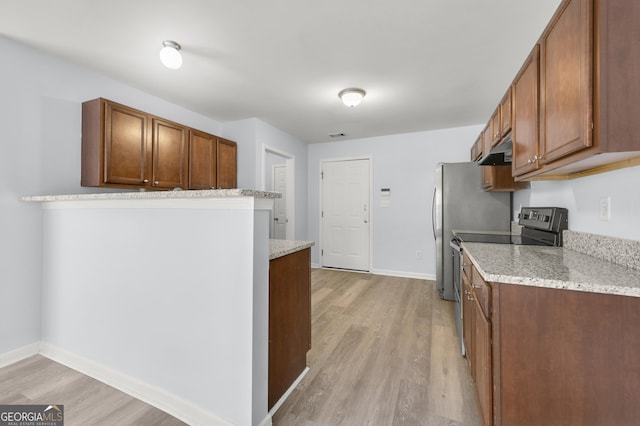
[
  {"x": 483, "y": 372},
  {"x": 488, "y": 177},
  {"x": 525, "y": 120},
  {"x": 203, "y": 160},
  {"x": 125, "y": 149},
  {"x": 496, "y": 135},
  {"x": 227, "y": 164},
  {"x": 505, "y": 113},
  {"x": 477, "y": 150},
  {"x": 169, "y": 155},
  {"x": 467, "y": 320},
  {"x": 487, "y": 139},
  {"x": 566, "y": 82},
  {"x": 289, "y": 320}
]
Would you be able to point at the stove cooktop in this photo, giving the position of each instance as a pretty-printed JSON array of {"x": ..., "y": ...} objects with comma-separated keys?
[
  {"x": 541, "y": 226},
  {"x": 471, "y": 237}
]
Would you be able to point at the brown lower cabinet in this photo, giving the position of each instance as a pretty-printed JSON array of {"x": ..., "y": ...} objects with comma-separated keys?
[
  {"x": 547, "y": 356},
  {"x": 289, "y": 320}
]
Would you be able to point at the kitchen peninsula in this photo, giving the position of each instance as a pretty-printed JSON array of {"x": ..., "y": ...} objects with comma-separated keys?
[{"x": 164, "y": 295}]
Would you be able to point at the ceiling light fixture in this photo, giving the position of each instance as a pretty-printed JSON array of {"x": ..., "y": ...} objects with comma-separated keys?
[
  {"x": 351, "y": 97},
  {"x": 170, "y": 55}
]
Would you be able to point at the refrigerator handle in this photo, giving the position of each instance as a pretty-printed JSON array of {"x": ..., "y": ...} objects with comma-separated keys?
[{"x": 433, "y": 212}]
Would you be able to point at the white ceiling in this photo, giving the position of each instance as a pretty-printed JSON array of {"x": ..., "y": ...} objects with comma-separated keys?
[{"x": 425, "y": 64}]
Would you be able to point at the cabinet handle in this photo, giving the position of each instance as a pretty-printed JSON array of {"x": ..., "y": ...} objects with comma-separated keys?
[
  {"x": 469, "y": 298},
  {"x": 145, "y": 181},
  {"x": 156, "y": 182},
  {"x": 476, "y": 286}
]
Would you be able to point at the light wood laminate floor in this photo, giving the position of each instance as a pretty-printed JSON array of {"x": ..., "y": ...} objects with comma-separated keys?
[
  {"x": 384, "y": 352},
  {"x": 87, "y": 402}
]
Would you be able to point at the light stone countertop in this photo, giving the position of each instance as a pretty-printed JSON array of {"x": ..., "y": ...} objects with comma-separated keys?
[
  {"x": 156, "y": 195},
  {"x": 279, "y": 248},
  {"x": 552, "y": 267}
]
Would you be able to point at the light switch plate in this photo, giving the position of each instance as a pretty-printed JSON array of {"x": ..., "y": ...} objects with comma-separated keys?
[{"x": 605, "y": 208}]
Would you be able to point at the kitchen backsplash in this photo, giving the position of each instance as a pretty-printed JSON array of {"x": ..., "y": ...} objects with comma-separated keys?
[{"x": 616, "y": 250}]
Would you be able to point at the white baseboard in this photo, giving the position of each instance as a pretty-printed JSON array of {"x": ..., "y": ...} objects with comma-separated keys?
[
  {"x": 165, "y": 401},
  {"x": 403, "y": 274},
  {"x": 284, "y": 397},
  {"x": 19, "y": 354},
  {"x": 387, "y": 272}
]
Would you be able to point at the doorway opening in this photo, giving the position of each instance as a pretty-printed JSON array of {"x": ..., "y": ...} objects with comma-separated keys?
[{"x": 278, "y": 176}]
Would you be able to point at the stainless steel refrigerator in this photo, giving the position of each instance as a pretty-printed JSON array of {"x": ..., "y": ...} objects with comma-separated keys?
[{"x": 460, "y": 203}]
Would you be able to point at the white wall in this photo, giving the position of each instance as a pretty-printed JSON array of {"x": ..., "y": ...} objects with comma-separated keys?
[
  {"x": 406, "y": 164},
  {"x": 582, "y": 198}
]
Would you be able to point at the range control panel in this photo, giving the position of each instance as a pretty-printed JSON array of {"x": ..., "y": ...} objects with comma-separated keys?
[{"x": 552, "y": 219}]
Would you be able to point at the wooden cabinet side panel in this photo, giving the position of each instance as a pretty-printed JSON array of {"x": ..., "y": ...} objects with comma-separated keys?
[
  {"x": 202, "y": 160},
  {"x": 92, "y": 167},
  {"x": 525, "y": 121},
  {"x": 575, "y": 354},
  {"x": 169, "y": 155},
  {"x": 566, "y": 81},
  {"x": 227, "y": 164},
  {"x": 617, "y": 86},
  {"x": 289, "y": 320}
]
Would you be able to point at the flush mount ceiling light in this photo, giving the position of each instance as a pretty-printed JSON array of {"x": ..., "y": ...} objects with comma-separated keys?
[
  {"x": 351, "y": 97},
  {"x": 170, "y": 55}
]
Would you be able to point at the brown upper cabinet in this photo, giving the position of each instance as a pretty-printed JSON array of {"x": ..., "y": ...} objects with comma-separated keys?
[
  {"x": 203, "y": 160},
  {"x": 505, "y": 114},
  {"x": 169, "y": 154},
  {"x": 477, "y": 149},
  {"x": 494, "y": 178},
  {"x": 212, "y": 161},
  {"x": 587, "y": 92},
  {"x": 227, "y": 163},
  {"x": 526, "y": 102},
  {"x": 126, "y": 148},
  {"x": 494, "y": 125}
]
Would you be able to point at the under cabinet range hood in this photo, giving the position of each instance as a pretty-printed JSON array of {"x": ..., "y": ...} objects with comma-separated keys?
[{"x": 500, "y": 154}]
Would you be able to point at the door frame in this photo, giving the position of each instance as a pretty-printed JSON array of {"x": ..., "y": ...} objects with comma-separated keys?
[
  {"x": 273, "y": 186},
  {"x": 320, "y": 225},
  {"x": 290, "y": 163}
]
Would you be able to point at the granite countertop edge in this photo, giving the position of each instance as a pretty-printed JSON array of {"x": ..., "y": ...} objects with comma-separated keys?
[
  {"x": 155, "y": 195},
  {"x": 280, "y": 248},
  {"x": 552, "y": 267}
]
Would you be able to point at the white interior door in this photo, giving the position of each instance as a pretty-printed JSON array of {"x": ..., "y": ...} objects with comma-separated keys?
[
  {"x": 280, "y": 204},
  {"x": 345, "y": 214}
]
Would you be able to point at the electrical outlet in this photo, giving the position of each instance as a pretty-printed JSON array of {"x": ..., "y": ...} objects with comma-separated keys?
[
  {"x": 605, "y": 208},
  {"x": 419, "y": 254}
]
